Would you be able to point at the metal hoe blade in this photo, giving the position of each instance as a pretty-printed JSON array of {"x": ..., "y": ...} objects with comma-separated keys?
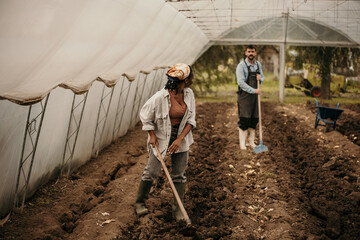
[{"x": 260, "y": 148}]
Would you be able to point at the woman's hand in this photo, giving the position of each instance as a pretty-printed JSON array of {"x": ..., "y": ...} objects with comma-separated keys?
[
  {"x": 153, "y": 139},
  {"x": 175, "y": 145}
]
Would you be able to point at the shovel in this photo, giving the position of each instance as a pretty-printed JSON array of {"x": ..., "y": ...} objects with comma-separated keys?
[
  {"x": 261, "y": 147},
  {"x": 182, "y": 209}
]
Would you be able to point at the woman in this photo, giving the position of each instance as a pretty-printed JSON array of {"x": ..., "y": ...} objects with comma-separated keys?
[{"x": 168, "y": 116}]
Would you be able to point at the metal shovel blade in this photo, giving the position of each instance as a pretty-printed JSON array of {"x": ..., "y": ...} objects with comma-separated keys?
[{"x": 260, "y": 148}]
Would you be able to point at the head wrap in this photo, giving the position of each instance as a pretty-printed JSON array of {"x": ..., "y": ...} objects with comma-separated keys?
[{"x": 179, "y": 71}]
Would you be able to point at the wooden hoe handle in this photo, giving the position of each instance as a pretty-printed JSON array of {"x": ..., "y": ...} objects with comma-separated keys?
[
  {"x": 182, "y": 209},
  {"x": 259, "y": 108}
]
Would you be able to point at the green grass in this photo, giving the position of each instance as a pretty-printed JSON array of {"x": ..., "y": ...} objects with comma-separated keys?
[
  {"x": 270, "y": 93},
  {"x": 222, "y": 93}
]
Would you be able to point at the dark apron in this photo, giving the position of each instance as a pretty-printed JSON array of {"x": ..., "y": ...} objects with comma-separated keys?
[{"x": 248, "y": 103}]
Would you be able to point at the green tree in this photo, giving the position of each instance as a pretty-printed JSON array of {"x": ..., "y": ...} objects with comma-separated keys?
[
  {"x": 325, "y": 58},
  {"x": 216, "y": 67}
]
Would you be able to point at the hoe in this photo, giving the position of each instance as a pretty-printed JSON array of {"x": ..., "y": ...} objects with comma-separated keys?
[{"x": 261, "y": 147}]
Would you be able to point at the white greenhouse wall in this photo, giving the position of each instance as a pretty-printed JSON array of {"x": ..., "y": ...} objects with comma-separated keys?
[
  {"x": 49, "y": 155},
  {"x": 12, "y": 128}
]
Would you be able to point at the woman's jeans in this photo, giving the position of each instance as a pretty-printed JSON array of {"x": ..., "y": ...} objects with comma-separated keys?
[{"x": 179, "y": 162}]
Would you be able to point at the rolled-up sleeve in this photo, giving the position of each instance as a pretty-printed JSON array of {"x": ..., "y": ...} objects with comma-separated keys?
[
  {"x": 241, "y": 78},
  {"x": 147, "y": 115},
  {"x": 261, "y": 73}
]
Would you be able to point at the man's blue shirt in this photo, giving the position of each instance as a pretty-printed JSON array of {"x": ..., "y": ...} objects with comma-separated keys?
[{"x": 242, "y": 74}]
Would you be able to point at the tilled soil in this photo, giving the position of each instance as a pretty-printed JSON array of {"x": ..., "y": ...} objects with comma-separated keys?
[{"x": 306, "y": 186}]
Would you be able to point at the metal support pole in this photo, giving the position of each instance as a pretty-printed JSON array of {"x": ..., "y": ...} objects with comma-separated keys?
[
  {"x": 135, "y": 100},
  {"x": 107, "y": 113},
  {"x": 117, "y": 111},
  {"x": 123, "y": 109},
  {"x": 164, "y": 78},
  {"x": 70, "y": 133},
  {"x": 161, "y": 80},
  {"x": 153, "y": 84},
  {"x": 282, "y": 77},
  {"x": 140, "y": 100},
  {"x": 282, "y": 58},
  {"x": 30, "y": 129},
  {"x": 96, "y": 144}
]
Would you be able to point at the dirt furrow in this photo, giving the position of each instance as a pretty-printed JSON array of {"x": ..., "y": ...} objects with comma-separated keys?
[{"x": 323, "y": 179}]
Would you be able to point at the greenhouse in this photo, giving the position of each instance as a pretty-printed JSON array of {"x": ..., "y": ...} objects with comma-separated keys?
[{"x": 75, "y": 75}]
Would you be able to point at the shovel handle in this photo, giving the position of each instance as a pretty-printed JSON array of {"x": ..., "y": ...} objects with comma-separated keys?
[{"x": 178, "y": 200}]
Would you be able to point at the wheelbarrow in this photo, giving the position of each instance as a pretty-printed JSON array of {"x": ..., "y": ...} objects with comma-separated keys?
[{"x": 327, "y": 116}]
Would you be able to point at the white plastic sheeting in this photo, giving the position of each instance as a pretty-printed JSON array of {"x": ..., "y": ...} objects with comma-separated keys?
[
  {"x": 287, "y": 30},
  {"x": 217, "y": 18},
  {"x": 46, "y": 43},
  {"x": 81, "y": 70}
]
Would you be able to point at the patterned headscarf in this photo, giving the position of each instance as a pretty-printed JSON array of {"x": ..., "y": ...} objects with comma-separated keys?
[{"x": 180, "y": 71}]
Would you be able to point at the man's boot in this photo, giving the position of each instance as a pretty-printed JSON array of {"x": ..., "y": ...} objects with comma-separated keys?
[
  {"x": 180, "y": 188},
  {"x": 252, "y": 137},
  {"x": 142, "y": 195},
  {"x": 242, "y": 138}
]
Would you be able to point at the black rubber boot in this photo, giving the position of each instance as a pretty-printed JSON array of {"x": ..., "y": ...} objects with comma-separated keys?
[
  {"x": 180, "y": 188},
  {"x": 142, "y": 195}
]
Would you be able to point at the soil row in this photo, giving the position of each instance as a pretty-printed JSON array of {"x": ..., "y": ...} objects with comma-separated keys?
[{"x": 304, "y": 187}]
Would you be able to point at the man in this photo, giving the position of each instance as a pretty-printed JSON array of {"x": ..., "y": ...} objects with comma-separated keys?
[{"x": 248, "y": 73}]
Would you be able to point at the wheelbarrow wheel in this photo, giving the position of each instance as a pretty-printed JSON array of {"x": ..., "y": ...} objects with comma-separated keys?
[{"x": 315, "y": 91}]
